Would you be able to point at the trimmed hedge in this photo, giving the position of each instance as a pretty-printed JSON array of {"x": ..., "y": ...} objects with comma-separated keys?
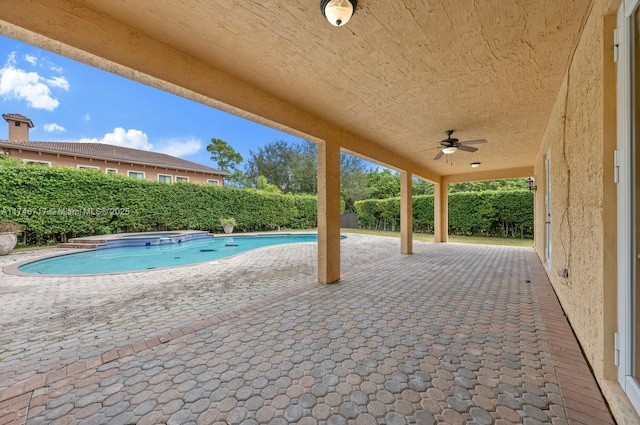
[
  {"x": 488, "y": 213},
  {"x": 56, "y": 203}
]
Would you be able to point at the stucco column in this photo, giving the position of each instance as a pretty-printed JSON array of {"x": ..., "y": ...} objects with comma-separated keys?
[
  {"x": 406, "y": 214},
  {"x": 441, "y": 212},
  {"x": 328, "y": 212}
]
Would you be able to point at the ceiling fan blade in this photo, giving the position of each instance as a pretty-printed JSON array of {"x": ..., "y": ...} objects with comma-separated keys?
[
  {"x": 426, "y": 150},
  {"x": 474, "y": 142},
  {"x": 439, "y": 155},
  {"x": 467, "y": 148}
]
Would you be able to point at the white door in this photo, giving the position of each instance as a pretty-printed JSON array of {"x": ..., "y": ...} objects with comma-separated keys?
[
  {"x": 629, "y": 199},
  {"x": 547, "y": 205}
]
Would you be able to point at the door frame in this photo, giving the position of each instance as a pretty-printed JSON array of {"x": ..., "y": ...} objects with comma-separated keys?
[{"x": 626, "y": 202}]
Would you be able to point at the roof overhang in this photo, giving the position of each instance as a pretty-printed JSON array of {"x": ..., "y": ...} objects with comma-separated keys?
[{"x": 386, "y": 86}]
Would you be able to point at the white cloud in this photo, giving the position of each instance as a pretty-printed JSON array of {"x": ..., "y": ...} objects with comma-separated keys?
[
  {"x": 138, "y": 139},
  {"x": 53, "y": 127},
  {"x": 31, "y": 59},
  {"x": 59, "y": 82},
  {"x": 16, "y": 83},
  {"x": 11, "y": 59},
  {"x": 86, "y": 117},
  {"x": 55, "y": 68},
  {"x": 120, "y": 137},
  {"x": 180, "y": 147},
  {"x": 42, "y": 62}
]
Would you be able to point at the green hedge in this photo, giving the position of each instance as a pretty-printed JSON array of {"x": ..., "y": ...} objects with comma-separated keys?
[
  {"x": 488, "y": 213},
  {"x": 54, "y": 203}
]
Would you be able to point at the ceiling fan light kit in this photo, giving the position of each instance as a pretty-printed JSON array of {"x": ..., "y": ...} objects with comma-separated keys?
[
  {"x": 451, "y": 145},
  {"x": 338, "y": 12}
]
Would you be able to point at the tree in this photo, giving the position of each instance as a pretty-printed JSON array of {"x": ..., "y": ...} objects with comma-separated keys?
[
  {"x": 263, "y": 184},
  {"x": 226, "y": 159},
  {"x": 383, "y": 184},
  {"x": 305, "y": 169},
  {"x": 275, "y": 162},
  {"x": 353, "y": 180},
  {"x": 293, "y": 168},
  {"x": 421, "y": 187}
]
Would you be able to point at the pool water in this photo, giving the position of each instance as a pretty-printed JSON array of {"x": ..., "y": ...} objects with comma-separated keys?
[{"x": 137, "y": 258}]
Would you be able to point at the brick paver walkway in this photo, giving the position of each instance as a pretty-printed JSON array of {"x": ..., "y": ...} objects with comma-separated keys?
[{"x": 451, "y": 334}]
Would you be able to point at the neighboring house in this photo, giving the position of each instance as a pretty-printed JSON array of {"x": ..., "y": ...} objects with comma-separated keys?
[{"x": 110, "y": 159}]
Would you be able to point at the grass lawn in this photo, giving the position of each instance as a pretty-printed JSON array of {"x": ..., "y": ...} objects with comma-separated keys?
[{"x": 425, "y": 237}]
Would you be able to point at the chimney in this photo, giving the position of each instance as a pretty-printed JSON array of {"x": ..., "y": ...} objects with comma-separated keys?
[{"x": 19, "y": 126}]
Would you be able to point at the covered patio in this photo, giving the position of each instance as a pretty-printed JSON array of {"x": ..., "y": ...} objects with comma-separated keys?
[
  {"x": 385, "y": 87},
  {"x": 546, "y": 83},
  {"x": 452, "y": 334}
]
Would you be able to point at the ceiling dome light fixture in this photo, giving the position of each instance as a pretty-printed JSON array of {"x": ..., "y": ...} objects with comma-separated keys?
[
  {"x": 449, "y": 150},
  {"x": 338, "y": 12},
  {"x": 475, "y": 164}
]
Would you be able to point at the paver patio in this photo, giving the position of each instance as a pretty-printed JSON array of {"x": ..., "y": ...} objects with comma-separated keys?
[{"x": 451, "y": 334}]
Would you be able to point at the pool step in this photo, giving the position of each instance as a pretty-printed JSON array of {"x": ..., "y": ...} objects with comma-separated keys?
[{"x": 80, "y": 245}]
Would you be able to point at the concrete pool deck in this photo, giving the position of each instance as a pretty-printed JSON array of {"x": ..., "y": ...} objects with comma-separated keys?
[{"x": 451, "y": 334}]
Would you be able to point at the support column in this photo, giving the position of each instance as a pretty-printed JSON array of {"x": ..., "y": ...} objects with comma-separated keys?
[
  {"x": 406, "y": 213},
  {"x": 441, "y": 212},
  {"x": 328, "y": 212}
]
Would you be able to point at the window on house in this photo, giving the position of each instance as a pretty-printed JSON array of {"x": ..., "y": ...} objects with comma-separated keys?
[
  {"x": 87, "y": 167},
  {"x": 136, "y": 174},
  {"x": 180, "y": 179},
  {"x": 164, "y": 178},
  {"x": 33, "y": 162},
  {"x": 111, "y": 171},
  {"x": 213, "y": 182},
  {"x": 16, "y": 123}
]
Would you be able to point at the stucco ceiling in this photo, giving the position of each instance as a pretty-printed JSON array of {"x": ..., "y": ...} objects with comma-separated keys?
[{"x": 398, "y": 75}]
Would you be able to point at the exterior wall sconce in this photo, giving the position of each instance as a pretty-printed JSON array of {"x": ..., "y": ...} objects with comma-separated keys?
[
  {"x": 475, "y": 164},
  {"x": 531, "y": 184},
  {"x": 338, "y": 12}
]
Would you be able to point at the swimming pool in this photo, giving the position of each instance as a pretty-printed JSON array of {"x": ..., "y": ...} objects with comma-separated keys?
[{"x": 140, "y": 258}]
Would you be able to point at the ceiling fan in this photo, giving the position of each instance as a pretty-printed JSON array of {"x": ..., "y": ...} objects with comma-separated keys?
[{"x": 451, "y": 144}]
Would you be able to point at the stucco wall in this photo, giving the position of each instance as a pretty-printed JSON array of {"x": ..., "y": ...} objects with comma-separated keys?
[
  {"x": 574, "y": 139},
  {"x": 150, "y": 172},
  {"x": 580, "y": 139}
]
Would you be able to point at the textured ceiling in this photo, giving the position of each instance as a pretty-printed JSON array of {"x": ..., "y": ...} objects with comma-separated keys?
[{"x": 398, "y": 75}]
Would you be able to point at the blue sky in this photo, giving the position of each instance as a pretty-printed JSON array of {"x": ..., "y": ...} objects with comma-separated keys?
[{"x": 70, "y": 101}]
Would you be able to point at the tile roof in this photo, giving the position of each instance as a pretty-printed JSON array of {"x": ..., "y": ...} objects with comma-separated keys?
[
  {"x": 18, "y": 117},
  {"x": 112, "y": 153}
]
